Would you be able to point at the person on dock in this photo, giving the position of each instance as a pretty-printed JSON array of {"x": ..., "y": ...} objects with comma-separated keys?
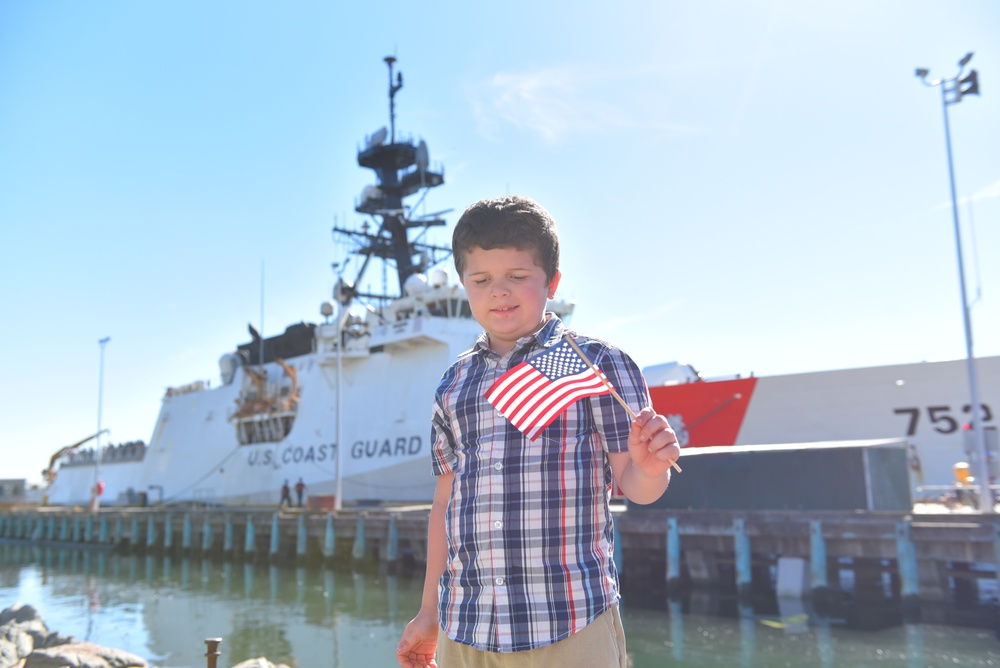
[
  {"x": 286, "y": 495},
  {"x": 520, "y": 562},
  {"x": 300, "y": 488}
]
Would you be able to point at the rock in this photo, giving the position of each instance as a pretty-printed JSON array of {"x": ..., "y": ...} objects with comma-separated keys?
[
  {"x": 18, "y": 613},
  {"x": 21, "y": 630},
  {"x": 25, "y": 642},
  {"x": 83, "y": 655},
  {"x": 25, "y": 619},
  {"x": 14, "y": 644}
]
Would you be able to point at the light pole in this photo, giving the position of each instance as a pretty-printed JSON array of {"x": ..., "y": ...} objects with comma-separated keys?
[
  {"x": 341, "y": 294},
  {"x": 953, "y": 89},
  {"x": 95, "y": 492},
  {"x": 338, "y": 500}
]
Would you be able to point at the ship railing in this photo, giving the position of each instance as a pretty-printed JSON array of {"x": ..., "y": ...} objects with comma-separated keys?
[
  {"x": 196, "y": 386},
  {"x": 407, "y": 333},
  {"x": 86, "y": 457},
  {"x": 954, "y": 495},
  {"x": 355, "y": 338},
  {"x": 131, "y": 451}
]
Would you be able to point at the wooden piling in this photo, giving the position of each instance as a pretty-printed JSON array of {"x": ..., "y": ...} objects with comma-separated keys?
[
  {"x": 741, "y": 549},
  {"x": 673, "y": 555},
  {"x": 392, "y": 547},
  {"x": 301, "y": 539},
  {"x": 250, "y": 538},
  {"x": 168, "y": 533},
  {"x": 817, "y": 556},
  {"x": 275, "y": 537},
  {"x": 906, "y": 560},
  {"x": 329, "y": 538},
  {"x": 358, "y": 551},
  {"x": 206, "y": 535},
  {"x": 227, "y": 537},
  {"x": 150, "y": 532},
  {"x": 187, "y": 533}
]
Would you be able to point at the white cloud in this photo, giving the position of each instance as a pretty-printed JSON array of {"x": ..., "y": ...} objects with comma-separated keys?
[
  {"x": 551, "y": 103},
  {"x": 989, "y": 192},
  {"x": 556, "y": 103}
]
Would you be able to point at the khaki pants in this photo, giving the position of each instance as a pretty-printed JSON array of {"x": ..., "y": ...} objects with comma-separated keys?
[{"x": 600, "y": 644}]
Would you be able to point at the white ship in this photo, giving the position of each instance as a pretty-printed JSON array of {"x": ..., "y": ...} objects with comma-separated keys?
[
  {"x": 926, "y": 403},
  {"x": 365, "y": 377}
]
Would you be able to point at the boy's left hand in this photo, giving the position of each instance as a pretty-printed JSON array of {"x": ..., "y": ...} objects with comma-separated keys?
[{"x": 652, "y": 443}]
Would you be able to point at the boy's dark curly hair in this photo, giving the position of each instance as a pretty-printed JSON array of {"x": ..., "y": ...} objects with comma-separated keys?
[{"x": 511, "y": 221}]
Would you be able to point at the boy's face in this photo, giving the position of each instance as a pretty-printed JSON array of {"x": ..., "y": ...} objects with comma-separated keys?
[{"x": 507, "y": 292}]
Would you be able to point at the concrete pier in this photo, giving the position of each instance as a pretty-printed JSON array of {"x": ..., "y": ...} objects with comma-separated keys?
[
  {"x": 922, "y": 555},
  {"x": 924, "y": 558},
  {"x": 292, "y": 536}
]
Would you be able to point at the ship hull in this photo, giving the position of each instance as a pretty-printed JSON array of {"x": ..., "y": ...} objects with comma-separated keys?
[
  {"x": 926, "y": 403},
  {"x": 195, "y": 456}
]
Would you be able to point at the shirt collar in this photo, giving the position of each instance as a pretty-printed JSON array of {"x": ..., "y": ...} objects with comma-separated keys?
[{"x": 547, "y": 336}]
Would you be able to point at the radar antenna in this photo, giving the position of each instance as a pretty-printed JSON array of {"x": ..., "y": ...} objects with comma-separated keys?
[{"x": 393, "y": 89}]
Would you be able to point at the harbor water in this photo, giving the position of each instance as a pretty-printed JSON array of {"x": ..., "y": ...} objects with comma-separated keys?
[{"x": 163, "y": 607}]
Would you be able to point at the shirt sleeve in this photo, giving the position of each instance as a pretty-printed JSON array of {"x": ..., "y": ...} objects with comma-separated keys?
[
  {"x": 443, "y": 441},
  {"x": 612, "y": 421}
]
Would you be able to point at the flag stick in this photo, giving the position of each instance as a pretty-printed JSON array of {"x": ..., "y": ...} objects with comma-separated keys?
[{"x": 607, "y": 384}]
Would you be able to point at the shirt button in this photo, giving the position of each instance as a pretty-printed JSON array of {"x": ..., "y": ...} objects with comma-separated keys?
[
  {"x": 498, "y": 524},
  {"x": 499, "y": 581},
  {"x": 498, "y": 466}
]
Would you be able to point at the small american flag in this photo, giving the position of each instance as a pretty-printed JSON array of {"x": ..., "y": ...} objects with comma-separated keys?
[{"x": 534, "y": 393}]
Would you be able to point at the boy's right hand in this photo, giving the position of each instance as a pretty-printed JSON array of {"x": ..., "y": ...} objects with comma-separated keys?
[{"x": 419, "y": 642}]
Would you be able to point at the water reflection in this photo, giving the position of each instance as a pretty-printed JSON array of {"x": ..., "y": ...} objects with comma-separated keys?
[
  {"x": 162, "y": 607},
  {"x": 748, "y": 640},
  {"x": 676, "y": 629}
]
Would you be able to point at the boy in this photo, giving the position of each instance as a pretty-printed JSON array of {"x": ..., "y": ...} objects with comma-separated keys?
[{"x": 520, "y": 570}]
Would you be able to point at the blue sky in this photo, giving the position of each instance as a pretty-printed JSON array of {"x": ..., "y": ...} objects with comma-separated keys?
[{"x": 750, "y": 187}]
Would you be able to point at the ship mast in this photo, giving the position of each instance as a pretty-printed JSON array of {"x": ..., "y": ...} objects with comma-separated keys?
[
  {"x": 402, "y": 169},
  {"x": 393, "y": 89}
]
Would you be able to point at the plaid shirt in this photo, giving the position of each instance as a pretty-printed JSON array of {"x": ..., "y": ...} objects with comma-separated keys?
[{"x": 528, "y": 525}]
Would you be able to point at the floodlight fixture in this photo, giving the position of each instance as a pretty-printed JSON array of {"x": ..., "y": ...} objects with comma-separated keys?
[{"x": 967, "y": 85}]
